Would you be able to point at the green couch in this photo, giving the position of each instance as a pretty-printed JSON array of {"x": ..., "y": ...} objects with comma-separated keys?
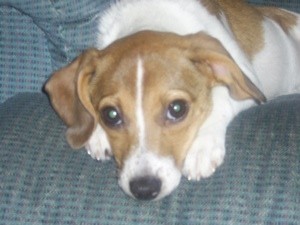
[{"x": 43, "y": 181}]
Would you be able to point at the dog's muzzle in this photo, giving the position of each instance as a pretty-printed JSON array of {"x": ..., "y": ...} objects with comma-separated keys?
[{"x": 148, "y": 176}]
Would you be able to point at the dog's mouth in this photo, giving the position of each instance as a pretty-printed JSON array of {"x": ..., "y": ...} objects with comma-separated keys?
[{"x": 146, "y": 176}]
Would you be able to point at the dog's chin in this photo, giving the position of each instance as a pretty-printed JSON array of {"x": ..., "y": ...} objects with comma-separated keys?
[{"x": 147, "y": 176}]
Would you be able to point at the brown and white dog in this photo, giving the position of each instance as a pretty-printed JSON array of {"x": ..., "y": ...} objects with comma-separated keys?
[{"x": 166, "y": 79}]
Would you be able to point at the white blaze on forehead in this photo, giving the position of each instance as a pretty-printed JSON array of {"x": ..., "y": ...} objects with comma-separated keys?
[
  {"x": 143, "y": 162},
  {"x": 140, "y": 121}
]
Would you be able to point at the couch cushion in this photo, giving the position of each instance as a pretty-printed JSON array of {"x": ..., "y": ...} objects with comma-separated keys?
[
  {"x": 293, "y": 5},
  {"x": 44, "y": 181},
  {"x": 38, "y": 37}
]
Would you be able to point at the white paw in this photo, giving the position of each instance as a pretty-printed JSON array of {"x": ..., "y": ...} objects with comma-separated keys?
[
  {"x": 204, "y": 156},
  {"x": 98, "y": 146}
]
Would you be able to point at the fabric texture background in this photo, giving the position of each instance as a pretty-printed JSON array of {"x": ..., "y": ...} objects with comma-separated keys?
[
  {"x": 37, "y": 37},
  {"x": 43, "y": 181}
]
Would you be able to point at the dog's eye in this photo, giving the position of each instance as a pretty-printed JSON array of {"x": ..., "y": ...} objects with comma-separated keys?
[
  {"x": 177, "y": 110},
  {"x": 111, "y": 116}
]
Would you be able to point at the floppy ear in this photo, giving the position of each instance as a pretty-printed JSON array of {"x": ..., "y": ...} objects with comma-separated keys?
[
  {"x": 68, "y": 92},
  {"x": 222, "y": 69}
]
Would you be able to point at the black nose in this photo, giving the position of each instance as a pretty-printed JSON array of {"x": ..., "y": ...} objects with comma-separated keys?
[{"x": 145, "y": 188}]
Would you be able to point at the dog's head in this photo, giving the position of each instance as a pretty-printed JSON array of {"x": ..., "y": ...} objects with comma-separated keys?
[{"x": 150, "y": 92}]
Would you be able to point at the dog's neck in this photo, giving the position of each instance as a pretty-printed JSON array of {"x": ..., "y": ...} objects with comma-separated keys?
[{"x": 130, "y": 16}]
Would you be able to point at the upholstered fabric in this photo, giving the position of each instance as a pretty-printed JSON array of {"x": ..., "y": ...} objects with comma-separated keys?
[
  {"x": 44, "y": 181},
  {"x": 292, "y": 5},
  {"x": 37, "y": 37}
]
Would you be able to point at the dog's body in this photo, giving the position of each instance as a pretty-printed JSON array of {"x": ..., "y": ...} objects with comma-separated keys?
[{"x": 170, "y": 76}]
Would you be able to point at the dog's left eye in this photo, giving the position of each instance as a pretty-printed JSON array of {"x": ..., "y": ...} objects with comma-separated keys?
[
  {"x": 177, "y": 110},
  {"x": 111, "y": 116}
]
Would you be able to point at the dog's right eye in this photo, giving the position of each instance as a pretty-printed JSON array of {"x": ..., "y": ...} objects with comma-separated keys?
[
  {"x": 177, "y": 110},
  {"x": 111, "y": 116}
]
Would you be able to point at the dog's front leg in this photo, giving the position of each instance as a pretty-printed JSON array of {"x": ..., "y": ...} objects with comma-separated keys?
[
  {"x": 98, "y": 146},
  {"x": 208, "y": 148}
]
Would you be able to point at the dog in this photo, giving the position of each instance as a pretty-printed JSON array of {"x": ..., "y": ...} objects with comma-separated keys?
[{"x": 165, "y": 80}]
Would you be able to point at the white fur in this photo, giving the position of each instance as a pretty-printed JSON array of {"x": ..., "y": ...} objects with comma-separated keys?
[
  {"x": 98, "y": 146},
  {"x": 129, "y": 16},
  {"x": 140, "y": 120},
  {"x": 147, "y": 163},
  {"x": 277, "y": 65}
]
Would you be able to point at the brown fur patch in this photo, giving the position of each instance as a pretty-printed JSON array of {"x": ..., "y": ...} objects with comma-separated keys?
[
  {"x": 212, "y": 6},
  {"x": 284, "y": 18},
  {"x": 114, "y": 86},
  {"x": 246, "y": 21},
  {"x": 246, "y": 24},
  {"x": 69, "y": 97}
]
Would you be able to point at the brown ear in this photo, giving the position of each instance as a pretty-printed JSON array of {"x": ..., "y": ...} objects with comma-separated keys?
[
  {"x": 225, "y": 71},
  {"x": 211, "y": 54},
  {"x": 67, "y": 89}
]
